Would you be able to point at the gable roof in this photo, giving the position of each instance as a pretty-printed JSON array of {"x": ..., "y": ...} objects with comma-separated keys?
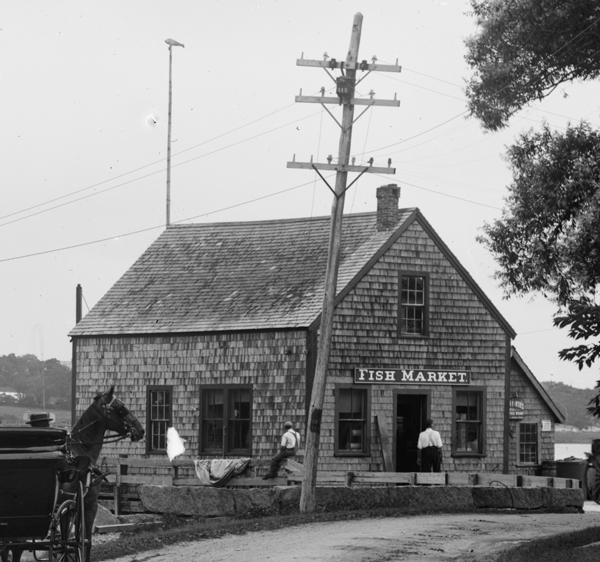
[
  {"x": 560, "y": 417},
  {"x": 245, "y": 276},
  {"x": 232, "y": 276}
]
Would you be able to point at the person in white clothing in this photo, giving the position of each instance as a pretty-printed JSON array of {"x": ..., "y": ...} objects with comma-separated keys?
[
  {"x": 290, "y": 441},
  {"x": 429, "y": 449}
]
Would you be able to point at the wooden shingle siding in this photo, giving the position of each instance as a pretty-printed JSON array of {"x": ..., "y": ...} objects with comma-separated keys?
[
  {"x": 535, "y": 410},
  {"x": 463, "y": 334},
  {"x": 274, "y": 363},
  {"x": 240, "y": 304}
]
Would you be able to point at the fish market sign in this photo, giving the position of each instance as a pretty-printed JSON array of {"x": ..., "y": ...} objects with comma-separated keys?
[{"x": 411, "y": 376}]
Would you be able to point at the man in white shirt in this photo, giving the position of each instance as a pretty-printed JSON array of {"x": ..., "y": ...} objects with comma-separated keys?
[
  {"x": 429, "y": 449},
  {"x": 290, "y": 441}
]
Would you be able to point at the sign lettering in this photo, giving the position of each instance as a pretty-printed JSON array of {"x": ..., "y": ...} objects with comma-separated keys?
[
  {"x": 411, "y": 376},
  {"x": 516, "y": 410}
]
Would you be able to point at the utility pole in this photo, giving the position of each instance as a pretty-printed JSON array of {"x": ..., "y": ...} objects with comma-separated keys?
[{"x": 345, "y": 85}]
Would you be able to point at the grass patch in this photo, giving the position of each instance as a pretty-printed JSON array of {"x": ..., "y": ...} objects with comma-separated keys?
[
  {"x": 13, "y": 415},
  {"x": 567, "y": 546}
]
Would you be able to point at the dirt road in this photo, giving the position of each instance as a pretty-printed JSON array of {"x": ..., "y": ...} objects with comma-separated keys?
[{"x": 427, "y": 538}]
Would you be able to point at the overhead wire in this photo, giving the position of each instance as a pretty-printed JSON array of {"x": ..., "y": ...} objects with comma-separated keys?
[
  {"x": 150, "y": 164},
  {"x": 523, "y": 117},
  {"x": 234, "y": 144},
  {"x": 364, "y": 146},
  {"x": 98, "y": 241},
  {"x": 566, "y": 45},
  {"x": 156, "y": 172},
  {"x": 446, "y": 194}
]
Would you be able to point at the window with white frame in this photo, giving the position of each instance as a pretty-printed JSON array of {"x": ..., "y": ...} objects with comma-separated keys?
[
  {"x": 413, "y": 309},
  {"x": 160, "y": 412},
  {"x": 352, "y": 421},
  {"x": 468, "y": 415},
  {"x": 528, "y": 443}
]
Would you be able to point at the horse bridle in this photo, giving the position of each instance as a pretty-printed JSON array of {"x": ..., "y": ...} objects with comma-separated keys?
[
  {"x": 121, "y": 411},
  {"x": 116, "y": 406}
]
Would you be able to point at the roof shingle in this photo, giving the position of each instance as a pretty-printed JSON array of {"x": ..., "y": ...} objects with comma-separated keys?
[{"x": 233, "y": 276}]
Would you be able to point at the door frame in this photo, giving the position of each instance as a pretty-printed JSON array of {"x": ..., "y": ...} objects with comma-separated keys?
[{"x": 409, "y": 391}]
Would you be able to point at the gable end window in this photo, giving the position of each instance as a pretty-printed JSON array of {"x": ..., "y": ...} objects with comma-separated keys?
[
  {"x": 226, "y": 420},
  {"x": 413, "y": 304},
  {"x": 468, "y": 422},
  {"x": 159, "y": 400},
  {"x": 352, "y": 415}
]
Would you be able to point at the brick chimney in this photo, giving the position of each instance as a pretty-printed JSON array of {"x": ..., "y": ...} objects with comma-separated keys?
[{"x": 387, "y": 206}]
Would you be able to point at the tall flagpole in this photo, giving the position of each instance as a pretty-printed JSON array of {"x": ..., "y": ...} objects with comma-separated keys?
[{"x": 172, "y": 43}]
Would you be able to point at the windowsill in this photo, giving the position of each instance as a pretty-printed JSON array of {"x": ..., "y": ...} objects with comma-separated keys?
[
  {"x": 414, "y": 336},
  {"x": 351, "y": 454},
  {"x": 461, "y": 455},
  {"x": 234, "y": 455}
]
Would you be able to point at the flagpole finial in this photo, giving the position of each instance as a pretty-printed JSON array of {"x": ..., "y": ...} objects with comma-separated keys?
[{"x": 173, "y": 43}]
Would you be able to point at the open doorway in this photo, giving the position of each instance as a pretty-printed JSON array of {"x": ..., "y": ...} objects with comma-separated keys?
[{"x": 411, "y": 413}]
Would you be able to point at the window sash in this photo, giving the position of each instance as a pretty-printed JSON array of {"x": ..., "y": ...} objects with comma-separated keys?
[
  {"x": 160, "y": 402},
  {"x": 413, "y": 302},
  {"x": 226, "y": 420},
  {"x": 212, "y": 419},
  {"x": 469, "y": 422},
  {"x": 239, "y": 419},
  {"x": 352, "y": 421},
  {"x": 528, "y": 443}
]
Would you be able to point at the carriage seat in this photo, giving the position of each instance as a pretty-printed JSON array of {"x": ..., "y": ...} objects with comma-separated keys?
[
  {"x": 30, "y": 461},
  {"x": 32, "y": 440}
]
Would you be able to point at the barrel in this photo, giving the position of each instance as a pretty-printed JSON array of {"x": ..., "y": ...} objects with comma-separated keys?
[{"x": 549, "y": 468}]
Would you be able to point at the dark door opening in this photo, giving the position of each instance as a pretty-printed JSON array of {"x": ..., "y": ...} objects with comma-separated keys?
[{"x": 411, "y": 412}]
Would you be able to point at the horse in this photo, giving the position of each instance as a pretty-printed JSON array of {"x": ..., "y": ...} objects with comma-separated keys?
[{"x": 84, "y": 443}]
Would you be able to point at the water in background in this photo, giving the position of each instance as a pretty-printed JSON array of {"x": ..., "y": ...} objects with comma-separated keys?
[{"x": 568, "y": 450}]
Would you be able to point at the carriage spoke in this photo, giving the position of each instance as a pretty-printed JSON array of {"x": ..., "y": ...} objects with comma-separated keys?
[
  {"x": 50, "y": 470},
  {"x": 594, "y": 489},
  {"x": 71, "y": 530}
]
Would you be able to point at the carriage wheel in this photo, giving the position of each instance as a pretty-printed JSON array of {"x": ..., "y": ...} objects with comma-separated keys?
[
  {"x": 71, "y": 530},
  {"x": 592, "y": 480}
]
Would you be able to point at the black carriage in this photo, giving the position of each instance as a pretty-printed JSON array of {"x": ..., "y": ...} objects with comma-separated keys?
[{"x": 41, "y": 495}]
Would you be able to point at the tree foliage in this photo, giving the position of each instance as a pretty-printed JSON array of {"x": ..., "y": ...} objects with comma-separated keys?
[
  {"x": 548, "y": 238},
  {"x": 35, "y": 379},
  {"x": 524, "y": 49}
]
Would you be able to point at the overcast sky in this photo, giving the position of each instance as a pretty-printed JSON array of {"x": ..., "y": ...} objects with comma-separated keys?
[{"x": 84, "y": 90}]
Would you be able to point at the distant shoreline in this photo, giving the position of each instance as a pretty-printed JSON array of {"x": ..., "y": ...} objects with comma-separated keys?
[{"x": 576, "y": 436}]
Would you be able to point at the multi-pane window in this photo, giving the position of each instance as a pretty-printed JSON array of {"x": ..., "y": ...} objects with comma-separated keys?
[
  {"x": 469, "y": 422},
  {"x": 213, "y": 422},
  {"x": 413, "y": 304},
  {"x": 226, "y": 420},
  {"x": 352, "y": 421},
  {"x": 239, "y": 419},
  {"x": 528, "y": 443},
  {"x": 160, "y": 408}
]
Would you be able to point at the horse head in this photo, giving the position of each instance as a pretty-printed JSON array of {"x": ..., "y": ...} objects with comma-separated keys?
[{"x": 118, "y": 418}]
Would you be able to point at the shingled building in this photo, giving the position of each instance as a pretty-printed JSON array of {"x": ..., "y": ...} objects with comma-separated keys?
[{"x": 214, "y": 329}]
